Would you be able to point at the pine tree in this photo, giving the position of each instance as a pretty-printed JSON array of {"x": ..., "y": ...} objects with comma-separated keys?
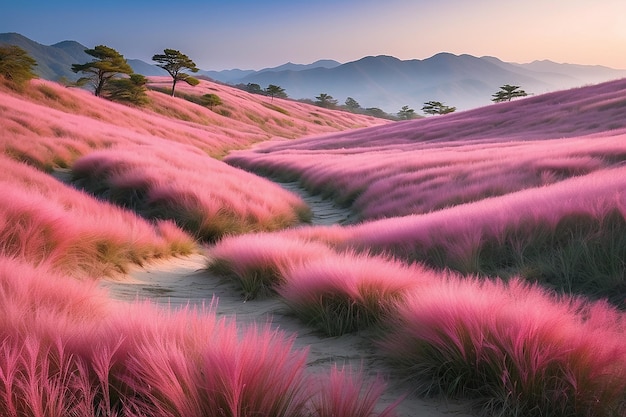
[
  {"x": 107, "y": 64},
  {"x": 174, "y": 62}
]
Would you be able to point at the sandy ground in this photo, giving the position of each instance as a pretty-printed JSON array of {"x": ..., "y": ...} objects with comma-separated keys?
[
  {"x": 181, "y": 281},
  {"x": 186, "y": 281}
]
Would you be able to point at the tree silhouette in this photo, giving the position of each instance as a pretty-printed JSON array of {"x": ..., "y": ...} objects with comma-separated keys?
[
  {"x": 508, "y": 92},
  {"x": 16, "y": 65},
  {"x": 253, "y": 88},
  {"x": 325, "y": 100},
  {"x": 107, "y": 64},
  {"x": 437, "y": 107},
  {"x": 275, "y": 91},
  {"x": 406, "y": 113},
  {"x": 174, "y": 62},
  {"x": 352, "y": 104}
]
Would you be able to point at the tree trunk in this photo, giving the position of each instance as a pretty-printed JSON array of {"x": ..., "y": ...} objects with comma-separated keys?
[
  {"x": 173, "y": 86},
  {"x": 99, "y": 87}
]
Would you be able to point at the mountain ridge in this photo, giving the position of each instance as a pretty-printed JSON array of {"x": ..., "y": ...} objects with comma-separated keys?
[{"x": 380, "y": 81}]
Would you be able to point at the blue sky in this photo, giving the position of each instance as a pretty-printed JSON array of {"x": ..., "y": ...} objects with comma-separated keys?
[{"x": 256, "y": 34}]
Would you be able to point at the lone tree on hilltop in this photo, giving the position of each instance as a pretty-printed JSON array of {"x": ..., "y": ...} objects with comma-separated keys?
[
  {"x": 16, "y": 65},
  {"x": 508, "y": 92},
  {"x": 352, "y": 104},
  {"x": 174, "y": 62},
  {"x": 107, "y": 63},
  {"x": 406, "y": 113},
  {"x": 437, "y": 107},
  {"x": 325, "y": 100},
  {"x": 275, "y": 91}
]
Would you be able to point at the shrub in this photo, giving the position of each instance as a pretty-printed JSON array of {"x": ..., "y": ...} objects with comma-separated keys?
[
  {"x": 128, "y": 90},
  {"x": 16, "y": 65}
]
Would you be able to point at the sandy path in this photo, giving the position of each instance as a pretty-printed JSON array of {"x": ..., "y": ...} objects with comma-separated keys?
[
  {"x": 185, "y": 281},
  {"x": 325, "y": 211},
  {"x": 181, "y": 281}
]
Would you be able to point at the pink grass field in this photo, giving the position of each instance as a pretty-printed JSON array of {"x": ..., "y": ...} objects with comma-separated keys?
[
  {"x": 513, "y": 345},
  {"x": 66, "y": 349},
  {"x": 42, "y": 221},
  {"x": 76, "y": 352},
  {"x": 424, "y": 165},
  {"x": 204, "y": 196},
  {"x": 492, "y": 189}
]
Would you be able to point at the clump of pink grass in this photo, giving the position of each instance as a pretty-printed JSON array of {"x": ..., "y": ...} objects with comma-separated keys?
[
  {"x": 67, "y": 349},
  {"x": 203, "y": 196},
  {"x": 45, "y": 221},
  {"x": 346, "y": 393},
  {"x": 347, "y": 292},
  {"x": 257, "y": 261},
  {"x": 517, "y": 347}
]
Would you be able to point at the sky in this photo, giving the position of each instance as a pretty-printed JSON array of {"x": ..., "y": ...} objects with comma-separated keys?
[{"x": 249, "y": 34}]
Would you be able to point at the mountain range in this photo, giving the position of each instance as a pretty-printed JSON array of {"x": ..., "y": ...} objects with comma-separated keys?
[{"x": 384, "y": 82}]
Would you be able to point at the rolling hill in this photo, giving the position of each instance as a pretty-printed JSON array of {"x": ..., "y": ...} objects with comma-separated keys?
[
  {"x": 384, "y": 82},
  {"x": 488, "y": 259}
]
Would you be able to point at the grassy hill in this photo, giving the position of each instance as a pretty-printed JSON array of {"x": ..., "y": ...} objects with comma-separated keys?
[{"x": 489, "y": 255}]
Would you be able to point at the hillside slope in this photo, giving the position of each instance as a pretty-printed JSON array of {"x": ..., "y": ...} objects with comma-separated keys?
[{"x": 125, "y": 154}]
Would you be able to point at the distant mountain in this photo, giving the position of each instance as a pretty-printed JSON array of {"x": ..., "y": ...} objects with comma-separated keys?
[
  {"x": 234, "y": 75},
  {"x": 463, "y": 81},
  {"x": 54, "y": 61},
  {"x": 385, "y": 82},
  {"x": 142, "y": 67}
]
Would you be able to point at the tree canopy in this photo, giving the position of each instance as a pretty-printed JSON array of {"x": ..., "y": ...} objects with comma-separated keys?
[
  {"x": 406, "y": 113},
  {"x": 174, "y": 62},
  {"x": 325, "y": 100},
  {"x": 437, "y": 107},
  {"x": 107, "y": 63},
  {"x": 275, "y": 91},
  {"x": 16, "y": 65},
  {"x": 508, "y": 92},
  {"x": 352, "y": 104}
]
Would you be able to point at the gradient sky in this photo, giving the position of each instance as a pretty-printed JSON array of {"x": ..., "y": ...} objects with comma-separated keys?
[{"x": 250, "y": 34}]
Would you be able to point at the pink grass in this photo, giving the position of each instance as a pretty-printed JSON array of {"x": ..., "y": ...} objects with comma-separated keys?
[
  {"x": 205, "y": 197},
  {"x": 48, "y": 124},
  {"x": 68, "y": 349},
  {"x": 258, "y": 261},
  {"x": 515, "y": 345},
  {"x": 42, "y": 220},
  {"x": 429, "y": 164},
  {"x": 346, "y": 394},
  {"x": 346, "y": 292}
]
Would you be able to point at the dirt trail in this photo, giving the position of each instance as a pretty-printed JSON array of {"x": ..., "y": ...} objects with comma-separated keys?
[
  {"x": 325, "y": 211},
  {"x": 186, "y": 281}
]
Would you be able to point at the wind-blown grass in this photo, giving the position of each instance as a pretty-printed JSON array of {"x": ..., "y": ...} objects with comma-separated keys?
[
  {"x": 568, "y": 235},
  {"x": 344, "y": 293},
  {"x": 433, "y": 163},
  {"x": 203, "y": 196},
  {"x": 517, "y": 348},
  {"x": 65, "y": 349},
  {"x": 346, "y": 394},
  {"x": 44, "y": 221},
  {"x": 49, "y": 125},
  {"x": 257, "y": 261}
]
